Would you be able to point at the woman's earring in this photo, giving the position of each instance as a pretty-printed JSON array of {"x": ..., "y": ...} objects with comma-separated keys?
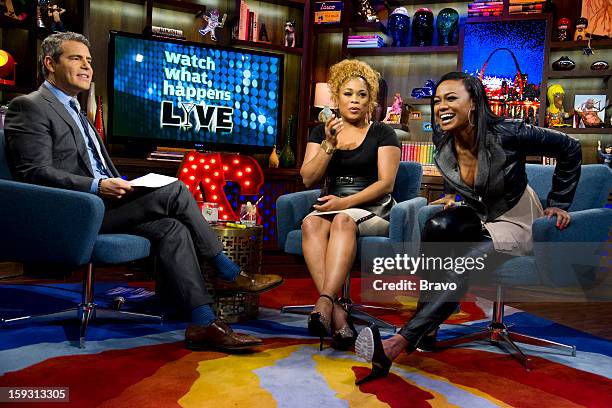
[{"x": 470, "y": 120}]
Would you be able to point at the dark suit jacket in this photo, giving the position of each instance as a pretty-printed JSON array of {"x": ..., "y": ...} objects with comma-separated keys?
[{"x": 45, "y": 145}]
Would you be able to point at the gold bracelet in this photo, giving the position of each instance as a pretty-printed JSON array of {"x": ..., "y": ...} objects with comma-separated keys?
[{"x": 327, "y": 148}]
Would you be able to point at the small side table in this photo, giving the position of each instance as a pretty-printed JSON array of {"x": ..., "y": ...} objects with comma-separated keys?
[{"x": 243, "y": 246}]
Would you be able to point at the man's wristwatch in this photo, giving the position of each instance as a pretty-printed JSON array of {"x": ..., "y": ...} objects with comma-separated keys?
[{"x": 327, "y": 148}]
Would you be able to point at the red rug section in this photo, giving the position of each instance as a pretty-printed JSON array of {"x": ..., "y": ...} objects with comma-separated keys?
[
  {"x": 502, "y": 377},
  {"x": 393, "y": 390}
]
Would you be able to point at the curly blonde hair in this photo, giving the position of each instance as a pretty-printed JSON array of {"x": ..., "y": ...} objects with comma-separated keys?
[{"x": 351, "y": 68}]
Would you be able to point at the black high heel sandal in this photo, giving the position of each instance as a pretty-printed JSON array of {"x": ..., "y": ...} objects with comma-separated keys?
[
  {"x": 369, "y": 347},
  {"x": 320, "y": 325},
  {"x": 344, "y": 338}
]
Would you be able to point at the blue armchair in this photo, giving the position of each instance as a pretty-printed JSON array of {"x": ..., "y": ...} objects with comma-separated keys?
[
  {"x": 292, "y": 208},
  {"x": 44, "y": 224},
  {"x": 554, "y": 259}
]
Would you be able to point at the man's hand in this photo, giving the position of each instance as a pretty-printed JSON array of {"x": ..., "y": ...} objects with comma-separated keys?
[
  {"x": 114, "y": 188},
  {"x": 563, "y": 218}
]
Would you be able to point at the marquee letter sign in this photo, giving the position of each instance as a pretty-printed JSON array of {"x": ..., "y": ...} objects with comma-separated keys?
[{"x": 205, "y": 174}]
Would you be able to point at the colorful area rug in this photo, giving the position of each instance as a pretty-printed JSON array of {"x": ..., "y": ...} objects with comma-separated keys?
[{"x": 143, "y": 365}]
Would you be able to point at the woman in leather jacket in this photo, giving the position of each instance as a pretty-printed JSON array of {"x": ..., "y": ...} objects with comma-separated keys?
[
  {"x": 356, "y": 161},
  {"x": 482, "y": 157}
]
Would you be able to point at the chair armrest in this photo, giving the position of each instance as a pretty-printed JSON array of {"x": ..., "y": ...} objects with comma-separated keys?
[
  {"x": 572, "y": 256},
  {"x": 403, "y": 221},
  {"x": 45, "y": 224},
  {"x": 591, "y": 225},
  {"x": 291, "y": 210}
]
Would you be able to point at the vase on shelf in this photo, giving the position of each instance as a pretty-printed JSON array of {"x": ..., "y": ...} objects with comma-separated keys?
[{"x": 287, "y": 157}]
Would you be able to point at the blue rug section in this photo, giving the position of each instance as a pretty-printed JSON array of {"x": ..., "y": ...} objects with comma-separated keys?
[{"x": 20, "y": 300}]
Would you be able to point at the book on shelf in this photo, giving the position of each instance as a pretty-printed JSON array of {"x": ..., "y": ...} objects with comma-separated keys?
[
  {"x": 243, "y": 20},
  {"x": 485, "y": 9},
  {"x": 549, "y": 161},
  {"x": 485, "y": 6},
  {"x": 485, "y": 14},
  {"x": 328, "y": 12},
  {"x": 526, "y": 7},
  {"x": 513, "y": 2},
  {"x": 420, "y": 152}
]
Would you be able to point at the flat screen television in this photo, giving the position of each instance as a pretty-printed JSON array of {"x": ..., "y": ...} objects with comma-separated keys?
[{"x": 168, "y": 92}]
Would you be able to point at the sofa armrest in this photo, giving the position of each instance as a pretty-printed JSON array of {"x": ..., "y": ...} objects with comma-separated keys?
[
  {"x": 403, "y": 224},
  {"x": 291, "y": 210},
  {"x": 45, "y": 224}
]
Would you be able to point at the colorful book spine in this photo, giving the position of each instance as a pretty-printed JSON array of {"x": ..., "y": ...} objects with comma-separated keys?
[{"x": 242, "y": 24}]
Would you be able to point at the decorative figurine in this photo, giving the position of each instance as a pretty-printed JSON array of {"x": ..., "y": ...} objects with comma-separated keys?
[
  {"x": 562, "y": 29},
  {"x": 606, "y": 155},
  {"x": 273, "y": 159},
  {"x": 588, "y": 113},
  {"x": 263, "y": 34},
  {"x": 398, "y": 27},
  {"x": 422, "y": 27},
  {"x": 563, "y": 64},
  {"x": 211, "y": 23},
  {"x": 555, "y": 113},
  {"x": 600, "y": 66},
  {"x": 448, "y": 26},
  {"x": 366, "y": 12},
  {"x": 580, "y": 26},
  {"x": 395, "y": 112},
  {"x": 55, "y": 12},
  {"x": 41, "y": 10},
  {"x": 290, "y": 33}
]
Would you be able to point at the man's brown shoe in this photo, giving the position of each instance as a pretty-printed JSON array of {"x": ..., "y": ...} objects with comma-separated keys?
[
  {"x": 252, "y": 284},
  {"x": 218, "y": 336}
]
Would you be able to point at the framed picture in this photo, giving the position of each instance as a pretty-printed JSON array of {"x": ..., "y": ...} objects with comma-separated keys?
[
  {"x": 589, "y": 111},
  {"x": 509, "y": 58}
]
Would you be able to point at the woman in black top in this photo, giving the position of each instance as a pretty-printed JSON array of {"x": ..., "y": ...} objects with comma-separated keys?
[
  {"x": 481, "y": 157},
  {"x": 356, "y": 160}
]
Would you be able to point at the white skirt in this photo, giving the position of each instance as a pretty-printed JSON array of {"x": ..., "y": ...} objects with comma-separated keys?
[
  {"x": 511, "y": 231},
  {"x": 368, "y": 223}
]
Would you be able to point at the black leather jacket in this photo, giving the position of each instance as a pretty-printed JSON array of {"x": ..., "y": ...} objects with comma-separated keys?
[{"x": 501, "y": 178}]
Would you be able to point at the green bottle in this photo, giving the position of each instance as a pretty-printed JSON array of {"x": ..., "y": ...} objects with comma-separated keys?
[{"x": 287, "y": 157}]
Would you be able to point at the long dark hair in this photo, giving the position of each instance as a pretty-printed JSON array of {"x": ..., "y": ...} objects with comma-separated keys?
[{"x": 484, "y": 117}]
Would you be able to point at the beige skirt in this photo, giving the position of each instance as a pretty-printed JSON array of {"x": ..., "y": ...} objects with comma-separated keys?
[
  {"x": 368, "y": 224},
  {"x": 511, "y": 231}
]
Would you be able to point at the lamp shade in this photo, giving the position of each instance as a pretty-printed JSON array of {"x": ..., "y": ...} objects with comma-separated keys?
[
  {"x": 7, "y": 64},
  {"x": 323, "y": 96}
]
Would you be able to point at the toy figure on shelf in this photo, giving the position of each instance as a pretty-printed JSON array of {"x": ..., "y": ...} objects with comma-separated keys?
[
  {"x": 398, "y": 27},
  {"x": 555, "y": 113},
  {"x": 588, "y": 113},
  {"x": 563, "y": 29},
  {"x": 395, "y": 113},
  {"x": 290, "y": 33},
  {"x": 55, "y": 12},
  {"x": 41, "y": 10},
  {"x": 606, "y": 155},
  {"x": 366, "y": 12},
  {"x": 211, "y": 23},
  {"x": 273, "y": 161},
  {"x": 425, "y": 92},
  {"x": 580, "y": 26}
]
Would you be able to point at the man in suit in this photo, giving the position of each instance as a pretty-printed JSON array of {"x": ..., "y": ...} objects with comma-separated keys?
[{"x": 51, "y": 142}]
